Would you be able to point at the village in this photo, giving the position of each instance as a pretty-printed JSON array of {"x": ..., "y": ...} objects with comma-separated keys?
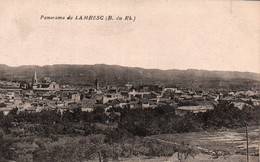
[{"x": 45, "y": 94}]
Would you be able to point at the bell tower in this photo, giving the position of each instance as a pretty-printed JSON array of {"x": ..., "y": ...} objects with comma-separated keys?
[
  {"x": 34, "y": 80},
  {"x": 96, "y": 84}
]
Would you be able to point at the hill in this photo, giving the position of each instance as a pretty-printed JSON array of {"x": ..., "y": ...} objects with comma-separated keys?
[{"x": 113, "y": 74}]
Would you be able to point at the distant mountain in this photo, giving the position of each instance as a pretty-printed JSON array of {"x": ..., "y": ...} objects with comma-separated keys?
[{"x": 113, "y": 74}]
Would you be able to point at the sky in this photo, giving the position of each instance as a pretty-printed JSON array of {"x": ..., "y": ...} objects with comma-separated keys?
[{"x": 185, "y": 34}]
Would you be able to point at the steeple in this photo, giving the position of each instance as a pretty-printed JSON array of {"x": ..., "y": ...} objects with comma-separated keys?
[
  {"x": 34, "y": 79},
  {"x": 96, "y": 84}
]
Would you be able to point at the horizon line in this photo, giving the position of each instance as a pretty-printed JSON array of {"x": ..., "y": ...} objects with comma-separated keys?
[{"x": 132, "y": 67}]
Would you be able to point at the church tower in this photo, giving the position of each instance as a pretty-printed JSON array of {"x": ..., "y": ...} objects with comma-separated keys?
[
  {"x": 34, "y": 80},
  {"x": 96, "y": 84}
]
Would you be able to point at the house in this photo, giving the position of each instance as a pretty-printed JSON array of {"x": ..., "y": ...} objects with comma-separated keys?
[
  {"x": 5, "y": 110},
  {"x": 40, "y": 108},
  {"x": 111, "y": 96},
  {"x": 145, "y": 105},
  {"x": 186, "y": 97},
  {"x": 88, "y": 106},
  {"x": 241, "y": 105},
  {"x": 31, "y": 110},
  {"x": 255, "y": 102},
  {"x": 138, "y": 94},
  {"x": 75, "y": 97},
  {"x": 197, "y": 98},
  {"x": 87, "y": 109},
  {"x": 183, "y": 110}
]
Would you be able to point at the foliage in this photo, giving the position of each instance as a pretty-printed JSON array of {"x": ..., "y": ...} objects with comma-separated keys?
[{"x": 78, "y": 136}]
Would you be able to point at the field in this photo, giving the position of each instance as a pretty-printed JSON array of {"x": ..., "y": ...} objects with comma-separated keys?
[
  {"x": 198, "y": 158},
  {"x": 228, "y": 141},
  {"x": 219, "y": 146}
]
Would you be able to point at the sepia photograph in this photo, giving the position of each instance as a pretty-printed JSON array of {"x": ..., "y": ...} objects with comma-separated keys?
[{"x": 130, "y": 81}]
